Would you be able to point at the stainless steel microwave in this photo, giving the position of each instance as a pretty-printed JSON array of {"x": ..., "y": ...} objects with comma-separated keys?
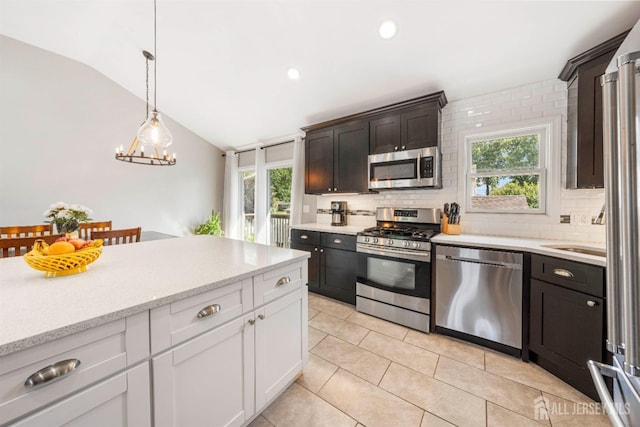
[{"x": 405, "y": 169}]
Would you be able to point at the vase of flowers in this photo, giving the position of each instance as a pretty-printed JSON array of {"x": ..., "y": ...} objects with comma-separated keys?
[{"x": 67, "y": 218}]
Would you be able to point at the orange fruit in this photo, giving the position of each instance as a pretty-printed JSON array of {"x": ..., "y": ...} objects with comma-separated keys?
[{"x": 59, "y": 248}]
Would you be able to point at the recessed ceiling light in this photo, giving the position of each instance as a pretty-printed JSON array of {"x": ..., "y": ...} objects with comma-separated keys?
[
  {"x": 388, "y": 29},
  {"x": 293, "y": 73}
]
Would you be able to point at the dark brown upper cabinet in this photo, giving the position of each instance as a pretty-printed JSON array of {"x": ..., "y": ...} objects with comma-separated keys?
[
  {"x": 319, "y": 162},
  {"x": 415, "y": 126},
  {"x": 584, "y": 114},
  {"x": 336, "y": 159},
  {"x": 336, "y": 150}
]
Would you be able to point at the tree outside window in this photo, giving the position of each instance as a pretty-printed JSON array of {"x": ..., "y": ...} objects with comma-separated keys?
[{"x": 506, "y": 172}]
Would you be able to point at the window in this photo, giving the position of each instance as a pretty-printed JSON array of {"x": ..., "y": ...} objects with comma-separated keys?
[
  {"x": 506, "y": 170},
  {"x": 279, "y": 187},
  {"x": 248, "y": 184}
]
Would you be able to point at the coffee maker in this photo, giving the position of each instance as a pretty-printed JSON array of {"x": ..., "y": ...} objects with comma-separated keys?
[{"x": 338, "y": 213}]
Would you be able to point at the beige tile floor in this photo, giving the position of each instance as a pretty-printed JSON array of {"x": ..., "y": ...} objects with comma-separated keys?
[{"x": 364, "y": 371}]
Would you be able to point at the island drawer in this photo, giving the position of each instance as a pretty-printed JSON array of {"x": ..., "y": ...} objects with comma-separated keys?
[
  {"x": 174, "y": 323},
  {"x": 35, "y": 377},
  {"x": 273, "y": 284},
  {"x": 306, "y": 237}
]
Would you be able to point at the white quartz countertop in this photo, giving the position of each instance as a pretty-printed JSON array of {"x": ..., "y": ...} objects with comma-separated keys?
[
  {"x": 340, "y": 229},
  {"x": 536, "y": 246},
  {"x": 125, "y": 280}
]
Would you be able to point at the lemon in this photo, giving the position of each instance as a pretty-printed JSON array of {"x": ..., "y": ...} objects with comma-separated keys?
[{"x": 59, "y": 248}]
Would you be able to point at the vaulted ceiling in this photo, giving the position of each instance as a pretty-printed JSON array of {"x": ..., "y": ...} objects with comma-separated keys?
[{"x": 222, "y": 64}]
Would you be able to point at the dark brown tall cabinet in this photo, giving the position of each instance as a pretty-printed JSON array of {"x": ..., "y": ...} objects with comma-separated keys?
[
  {"x": 337, "y": 150},
  {"x": 584, "y": 116}
]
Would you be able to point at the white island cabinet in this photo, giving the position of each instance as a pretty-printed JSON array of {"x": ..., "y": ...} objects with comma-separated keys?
[{"x": 190, "y": 331}]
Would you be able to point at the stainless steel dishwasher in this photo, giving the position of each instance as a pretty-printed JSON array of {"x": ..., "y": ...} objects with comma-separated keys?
[{"x": 479, "y": 293}]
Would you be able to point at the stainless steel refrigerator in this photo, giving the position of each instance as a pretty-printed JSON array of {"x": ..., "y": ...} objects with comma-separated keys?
[{"x": 621, "y": 106}]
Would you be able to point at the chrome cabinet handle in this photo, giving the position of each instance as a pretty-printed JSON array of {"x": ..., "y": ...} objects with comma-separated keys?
[
  {"x": 321, "y": 250},
  {"x": 562, "y": 272},
  {"x": 261, "y": 316},
  {"x": 395, "y": 148},
  {"x": 328, "y": 189},
  {"x": 283, "y": 281},
  {"x": 52, "y": 372},
  {"x": 403, "y": 147},
  {"x": 337, "y": 241},
  {"x": 304, "y": 237},
  {"x": 591, "y": 303},
  {"x": 315, "y": 249},
  {"x": 335, "y": 189},
  {"x": 252, "y": 321},
  {"x": 209, "y": 311}
]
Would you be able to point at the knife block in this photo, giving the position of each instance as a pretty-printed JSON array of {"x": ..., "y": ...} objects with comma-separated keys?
[{"x": 449, "y": 228}]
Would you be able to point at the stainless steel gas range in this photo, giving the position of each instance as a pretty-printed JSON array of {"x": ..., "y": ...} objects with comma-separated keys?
[{"x": 394, "y": 266}]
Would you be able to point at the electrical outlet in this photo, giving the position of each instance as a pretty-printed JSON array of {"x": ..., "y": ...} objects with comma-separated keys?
[
  {"x": 580, "y": 218},
  {"x": 565, "y": 219}
]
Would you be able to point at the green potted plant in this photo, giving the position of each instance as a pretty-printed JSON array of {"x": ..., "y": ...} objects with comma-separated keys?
[{"x": 211, "y": 226}]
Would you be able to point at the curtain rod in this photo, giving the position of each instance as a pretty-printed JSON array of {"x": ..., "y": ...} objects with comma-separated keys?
[{"x": 262, "y": 148}]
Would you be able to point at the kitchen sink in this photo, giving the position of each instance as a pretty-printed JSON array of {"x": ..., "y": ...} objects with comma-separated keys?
[{"x": 579, "y": 249}]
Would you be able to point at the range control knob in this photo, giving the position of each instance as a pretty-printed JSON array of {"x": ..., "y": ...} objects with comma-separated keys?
[
  {"x": 389, "y": 242},
  {"x": 375, "y": 240},
  {"x": 406, "y": 244},
  {"x": 366, "y": 240},
  {"x": 416, "y": 244}
]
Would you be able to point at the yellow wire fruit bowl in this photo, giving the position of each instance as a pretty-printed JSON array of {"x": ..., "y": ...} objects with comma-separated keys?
[{"x": 63, "y": 265}]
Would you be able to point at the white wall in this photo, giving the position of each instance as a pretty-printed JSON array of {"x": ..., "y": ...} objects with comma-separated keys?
[
  {"x": 60, "y": 122},
  {"x": 504, "y": 108}
]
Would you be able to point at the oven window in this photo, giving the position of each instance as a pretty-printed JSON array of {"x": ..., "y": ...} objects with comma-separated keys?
[
  {"x": 391, "y": 273},
  {"x": 402, "y": 169}
]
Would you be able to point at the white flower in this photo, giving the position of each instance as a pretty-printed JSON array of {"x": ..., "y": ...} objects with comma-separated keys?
[
  {"x": 65, "y": 213},
  {"x": 59, "y": 205}
]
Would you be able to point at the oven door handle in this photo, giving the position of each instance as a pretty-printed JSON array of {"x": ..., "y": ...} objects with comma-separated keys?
[
  {"x": 390, "y": 253},
  {"x": 418, "y": 176}
]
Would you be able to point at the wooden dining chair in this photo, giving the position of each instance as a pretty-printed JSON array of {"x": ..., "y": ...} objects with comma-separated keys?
[
  {"x": 18, "y": 246},
  {"x": 86, "y": 228},
  {"x": 17, "y": 231},
  {"x": 117, "y": 237}
]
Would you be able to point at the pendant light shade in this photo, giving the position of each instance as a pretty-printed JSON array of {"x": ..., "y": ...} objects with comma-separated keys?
[{"x": 154, "y": 133}]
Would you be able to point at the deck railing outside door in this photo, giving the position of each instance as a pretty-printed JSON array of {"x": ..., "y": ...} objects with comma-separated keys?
[{"x": 278, "y": 229}]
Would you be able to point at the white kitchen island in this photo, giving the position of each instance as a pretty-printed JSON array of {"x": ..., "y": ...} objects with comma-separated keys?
[{"x": 204, "y": 327}]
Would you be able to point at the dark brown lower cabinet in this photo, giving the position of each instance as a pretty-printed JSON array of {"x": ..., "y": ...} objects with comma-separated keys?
[
  {"x": 338, "y": 274},
  {"x": 314, "y": 264},
  {"x": 332, "y": 266},
  {"x": 567, "y": 326}
]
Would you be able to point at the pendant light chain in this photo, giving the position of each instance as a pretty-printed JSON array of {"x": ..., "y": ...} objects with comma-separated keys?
[
  {"x": 155, "y": 53},
  {"x": 147, "y": 86}
]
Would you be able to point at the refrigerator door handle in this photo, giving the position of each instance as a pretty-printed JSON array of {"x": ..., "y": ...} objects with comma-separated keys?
[
  {"x": 629, "y": 210},
  {"x": 597, "y": 371},
  {"x": 612, "y": 185}
]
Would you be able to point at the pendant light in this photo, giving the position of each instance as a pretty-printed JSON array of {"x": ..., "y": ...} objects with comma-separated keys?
[{"x": 152, "y": 133}]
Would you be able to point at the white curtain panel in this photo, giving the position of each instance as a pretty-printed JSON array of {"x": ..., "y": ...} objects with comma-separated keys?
[
  {"x": 297, "y": 181},
  {"x": 261, "y": 200},
  {"x": 231, "y": 199}
]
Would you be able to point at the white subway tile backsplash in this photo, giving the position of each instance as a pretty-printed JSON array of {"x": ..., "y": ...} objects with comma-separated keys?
[{"x": 547, "y": 98}]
